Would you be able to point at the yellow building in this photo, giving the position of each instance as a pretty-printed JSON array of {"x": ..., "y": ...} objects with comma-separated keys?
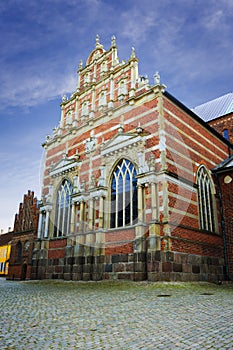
[{"x": 5, "y": 251}]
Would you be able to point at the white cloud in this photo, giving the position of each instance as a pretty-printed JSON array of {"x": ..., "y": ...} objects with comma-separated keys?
[
  {"x": 20, "y": 175},
  {"x": 29, "y": 87},
  {"x": 136, "y": 24}
]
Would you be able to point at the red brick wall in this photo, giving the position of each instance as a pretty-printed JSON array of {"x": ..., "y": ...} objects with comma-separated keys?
[
  {"x": 227, "y": 200},
  {"x": 222, "y": 123}
]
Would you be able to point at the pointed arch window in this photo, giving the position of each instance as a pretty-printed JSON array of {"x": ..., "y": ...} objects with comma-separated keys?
[
  {"x": 124, "y": 209},
  {"x": 205, "y": 200},
  {"x": 19, "y": 249},
  {"x": 63, "y": 209}
]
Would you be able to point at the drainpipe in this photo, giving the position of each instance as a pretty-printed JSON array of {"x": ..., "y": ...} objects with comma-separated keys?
[{"x": 223, "y": 227}]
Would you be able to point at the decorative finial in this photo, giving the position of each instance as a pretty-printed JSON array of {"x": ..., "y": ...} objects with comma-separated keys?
[
  {"x": 97, "y": 40},
  {"x": 64, "y": 98},
  {"x": 157, "y": 78},
  {"x": 139, "y": 129},
  {"x": 113, "y": 40},
  {"x": 80, "y": 64},
  {"x": 121, "y": 128},
  {"x": 133, "y": 54}
]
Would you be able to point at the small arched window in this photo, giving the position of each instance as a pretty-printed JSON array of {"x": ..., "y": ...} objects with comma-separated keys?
[
  {"x": 205, "y": 200},
  {"x": 104, "y": 67},
  {"x": 102, "y": 99},
  {"x": 122, "y": 90},
  {"x": 63, "y": 209},
  {"x": 124, "y": 208},
  {"x": 85, "y": 108},
  {"x": 226, "y": 134},
  {"x": 69, "y": 117},
  {"x": 86, "y": 78}
]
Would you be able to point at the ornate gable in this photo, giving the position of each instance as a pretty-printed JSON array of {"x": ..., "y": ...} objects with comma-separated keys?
[
  {"x": 120, "y": 142},
  {"x": 96, "y": 53},
  {"x": 64, "y": 166}
]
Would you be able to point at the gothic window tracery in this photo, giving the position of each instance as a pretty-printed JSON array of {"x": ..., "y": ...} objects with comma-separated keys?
[
  {"x": 124, "y": 208},
  {"x": 205, "y": 200},
  {"x": 63, "y": 209}
]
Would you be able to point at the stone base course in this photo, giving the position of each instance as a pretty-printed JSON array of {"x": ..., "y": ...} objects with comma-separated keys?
[{"x": 151, "y": 266}]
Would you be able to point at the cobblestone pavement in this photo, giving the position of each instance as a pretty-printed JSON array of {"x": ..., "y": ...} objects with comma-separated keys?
[{"x": 115, "y": 315}]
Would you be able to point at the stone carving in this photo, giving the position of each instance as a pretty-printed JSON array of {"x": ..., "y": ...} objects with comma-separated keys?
[
  {"x": 49, "y": 195},
  {"x": 157, "y": 78},
  {"x": 80, "y": 64},
  {"x": 102, "y": 178},
  {"x": 133, "y": 54},
  {"x": 90, "y": 144}
]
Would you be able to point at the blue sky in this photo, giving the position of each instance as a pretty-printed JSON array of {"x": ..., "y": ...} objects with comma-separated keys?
[{"x": 189, "y": 42}]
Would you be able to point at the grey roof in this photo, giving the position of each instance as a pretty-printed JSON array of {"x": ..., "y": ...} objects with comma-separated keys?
[
  {"x": 225, "y": 165},
  {"x": 215, "y": 108}
]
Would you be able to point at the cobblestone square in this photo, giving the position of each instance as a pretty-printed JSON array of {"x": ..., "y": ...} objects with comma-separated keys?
[{"x": 115, "y": 315}]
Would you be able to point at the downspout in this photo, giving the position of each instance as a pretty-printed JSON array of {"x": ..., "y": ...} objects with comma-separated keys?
[{"x": 223, "y": 226}]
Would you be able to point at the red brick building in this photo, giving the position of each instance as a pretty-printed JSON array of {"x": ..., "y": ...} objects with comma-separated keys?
[
  {"x": 224, "y": 125},
  {"x": 224, "y": 176},
  {"x": 24, "y": 234},
  {"x": 128, "y": 190}
]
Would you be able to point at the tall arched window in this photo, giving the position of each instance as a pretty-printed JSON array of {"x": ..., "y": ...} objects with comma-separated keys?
[
  {"x": 124, "y": 208},
  {"x": 19, "y": 249},
  {"x": 205, "y": 200},
  {"x": 63, "y": 209}
]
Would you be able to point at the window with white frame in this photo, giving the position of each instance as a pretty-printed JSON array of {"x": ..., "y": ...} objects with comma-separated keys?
[
  {"x": 124, "y": 207},
  {"x": 104, "y": 67},
  {"x": 86, "y": 78},
  {"x": 63, "y": 209},
  {"x": 85, "y": 108},
  {"x": 102, "y": 99},
  {"x": 122, "y": 90},
  {"x": 205, "y": 200},
  {"x": 69, "y": 117}
]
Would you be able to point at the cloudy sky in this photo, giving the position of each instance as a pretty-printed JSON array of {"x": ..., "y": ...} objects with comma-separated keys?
[{"x": 189, "y": 42}]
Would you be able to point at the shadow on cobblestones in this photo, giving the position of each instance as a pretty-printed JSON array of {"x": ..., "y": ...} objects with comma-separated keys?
[{"x": 115, "y": 315}]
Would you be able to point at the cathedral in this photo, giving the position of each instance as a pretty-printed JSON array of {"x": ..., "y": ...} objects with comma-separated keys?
[{"x": 132, "y": 182}]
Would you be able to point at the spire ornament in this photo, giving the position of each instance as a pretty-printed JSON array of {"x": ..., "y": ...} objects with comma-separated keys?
[
  {"x": 133, "y": 53},
  {"x": 113, "y": 40},
  {"x": 80, "y": 66},
  {"x": 97, "y": 40},
  {"x": 156, "y": 78}
]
